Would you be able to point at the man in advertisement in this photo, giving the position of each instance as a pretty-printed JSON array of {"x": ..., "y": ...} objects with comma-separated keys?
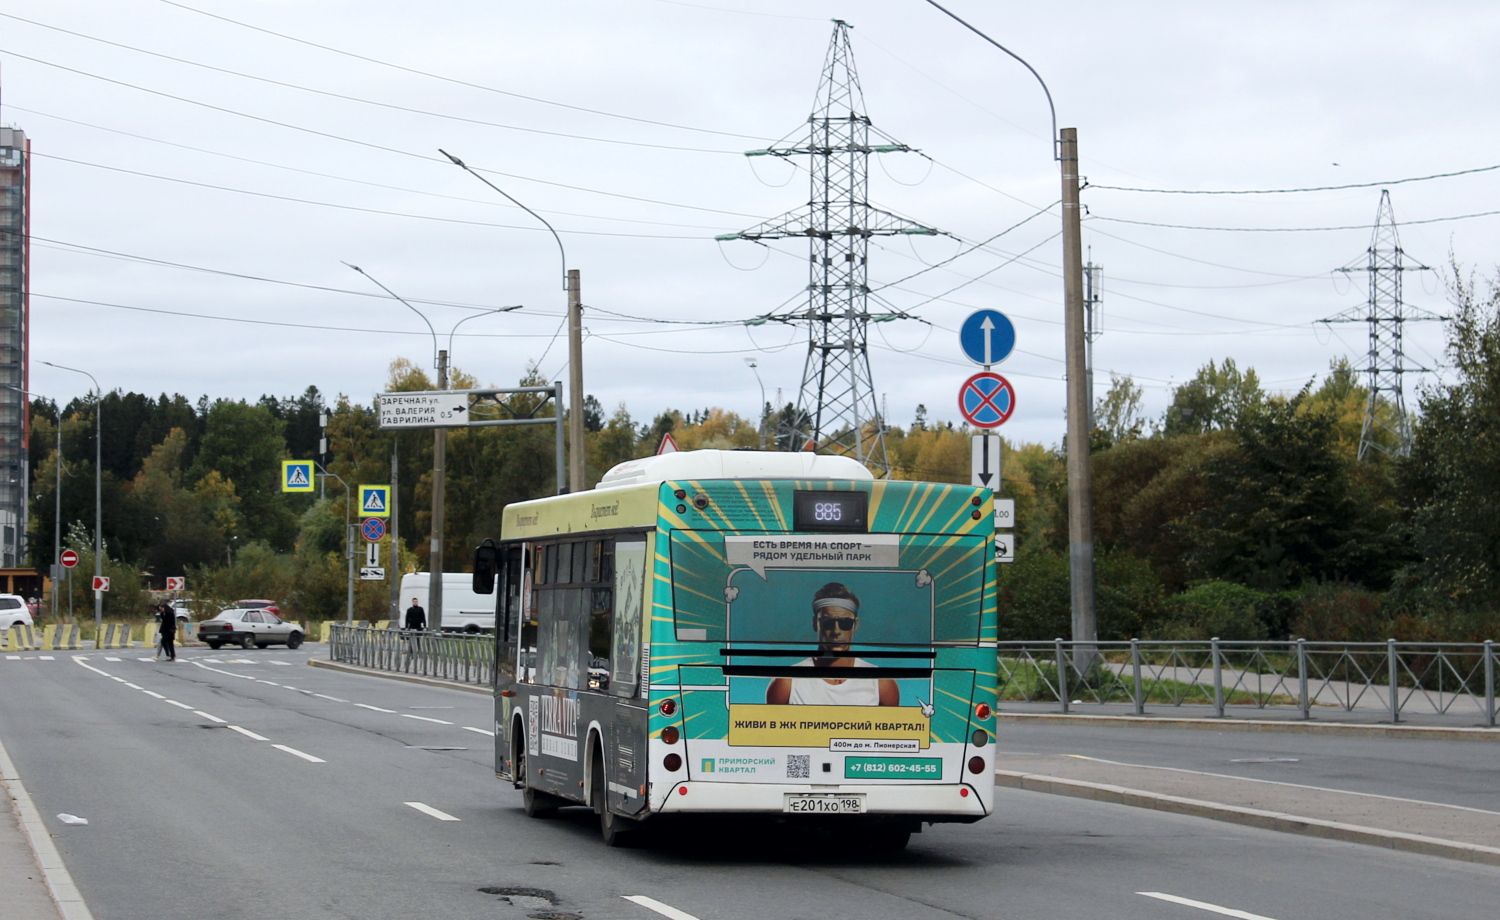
[{"x": 835, "y": 612}]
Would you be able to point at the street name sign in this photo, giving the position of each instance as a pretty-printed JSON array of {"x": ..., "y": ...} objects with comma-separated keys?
[
  {"x": 987, "y": 337},
  {"x": 427, "y": 409}
]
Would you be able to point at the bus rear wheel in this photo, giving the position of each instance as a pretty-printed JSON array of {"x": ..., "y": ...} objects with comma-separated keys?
[{"x": 616, "y": 830}]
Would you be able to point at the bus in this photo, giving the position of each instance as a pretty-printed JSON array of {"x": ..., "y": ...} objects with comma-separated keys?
[{"x": 748, "y": 632}]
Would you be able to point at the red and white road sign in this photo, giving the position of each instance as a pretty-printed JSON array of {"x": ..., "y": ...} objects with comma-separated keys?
[
  {"x": 176, "y": 582},
  {"x": 101, "y": 582},
  {"x": 68, "y": 558},
  {"x": 986, "y": 400}
]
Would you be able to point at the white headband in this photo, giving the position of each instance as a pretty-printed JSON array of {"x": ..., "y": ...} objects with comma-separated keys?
[{"x": 848, "y": 604}]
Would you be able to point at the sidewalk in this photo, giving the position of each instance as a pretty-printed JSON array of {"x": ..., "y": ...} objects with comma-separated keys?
[
  {"x": 23, "y": 884},
  {"x": 1448, "y": 831}
]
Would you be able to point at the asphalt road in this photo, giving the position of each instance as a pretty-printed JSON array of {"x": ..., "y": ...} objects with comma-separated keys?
[
  {"x": 1463, "y": 773},
  {"x": 191, "y": 818}
]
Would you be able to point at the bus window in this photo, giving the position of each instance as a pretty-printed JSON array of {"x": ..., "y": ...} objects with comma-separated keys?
[
  {"x": 599, "y": 645},
  {"x": 628, "y": 562}
]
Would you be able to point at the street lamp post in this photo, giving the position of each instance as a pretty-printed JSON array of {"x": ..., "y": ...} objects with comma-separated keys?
[
  {"x": 439, "y": 458},
  {"x": 576, "y": 456},
  {"x": 57, "y": 504},
  {"x": 1080, "y": 475},
  {"x": 98, "y": 491},
  {"x": 760, "y": 428}
]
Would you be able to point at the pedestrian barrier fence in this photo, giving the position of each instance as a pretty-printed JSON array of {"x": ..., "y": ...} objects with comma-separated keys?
[
  {"x": 458, "y": 657},
  {"x": 1392, "y": 679}
]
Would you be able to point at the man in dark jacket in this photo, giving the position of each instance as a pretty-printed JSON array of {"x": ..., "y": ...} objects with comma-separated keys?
[
  {"x": 416, "y": 617},
  {"x": 168, "y": 629}
]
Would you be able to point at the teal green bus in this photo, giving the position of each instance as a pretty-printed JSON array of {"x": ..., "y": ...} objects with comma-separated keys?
[{"x": 746, "y": 632}]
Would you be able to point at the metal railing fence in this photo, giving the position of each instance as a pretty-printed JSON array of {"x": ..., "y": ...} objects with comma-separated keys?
[
  {"x": 1392, "y": 679},
  {"x": 457, "y": 657}
]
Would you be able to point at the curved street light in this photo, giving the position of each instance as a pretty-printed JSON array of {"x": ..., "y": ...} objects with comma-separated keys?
[{"x": 98, "y": 490}]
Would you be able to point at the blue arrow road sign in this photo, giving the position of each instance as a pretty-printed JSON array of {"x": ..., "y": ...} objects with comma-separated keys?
[{"x": 987, "y": 337}]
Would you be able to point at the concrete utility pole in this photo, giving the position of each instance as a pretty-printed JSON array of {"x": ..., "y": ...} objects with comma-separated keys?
[
  {"x": 576, "y": 454},
  {"x": 393, "y": 564},
  {"x": 1080, "y": 475},
  {"x": 439, "y": 461}
]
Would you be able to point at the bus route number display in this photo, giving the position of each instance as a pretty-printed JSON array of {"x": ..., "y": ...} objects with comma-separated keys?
[{"x": 831, "y": 512}]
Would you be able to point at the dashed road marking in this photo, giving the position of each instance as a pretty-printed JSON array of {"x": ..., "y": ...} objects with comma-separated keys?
[
  {"x": 248, "y": 733},
  {"x": 429, "y": 810},
  {"x": 324, "y": 696},
  {"x": 407, "y": 715},
  {"x": 108, "y": 658},
  {"x": 482, "y": 731},
  {"x": 296, "y": 753},
  {"x": 152, "y": 693},
  {"x": 1203, "y": 905},
  {"x": 666, "y": 910},
  {"x": 375, "y": 708},
  {"x": 199, "y": 712},
  {"x": 179, "y": 705}
]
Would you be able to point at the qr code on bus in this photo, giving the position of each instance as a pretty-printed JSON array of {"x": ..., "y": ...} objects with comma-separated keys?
[{"x": 798, "y": 766}]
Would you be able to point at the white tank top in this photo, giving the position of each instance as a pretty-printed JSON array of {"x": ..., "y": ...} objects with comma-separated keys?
[{"x": 819, "y": 692}]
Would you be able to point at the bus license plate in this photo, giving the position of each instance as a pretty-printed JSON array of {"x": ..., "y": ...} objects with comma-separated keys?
[{"x": 825, "y": 804}]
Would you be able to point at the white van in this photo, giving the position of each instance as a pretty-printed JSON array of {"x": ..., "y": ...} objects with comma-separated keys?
[{"x": 463, "y": 610}]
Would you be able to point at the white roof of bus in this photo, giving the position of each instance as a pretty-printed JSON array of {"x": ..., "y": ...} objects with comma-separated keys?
[{"x": 732, "y": 464}]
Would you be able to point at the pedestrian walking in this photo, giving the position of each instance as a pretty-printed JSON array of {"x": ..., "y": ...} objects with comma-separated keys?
[
  {"x": 416, "y": 617},
  {"x": 168, "y": 631}
]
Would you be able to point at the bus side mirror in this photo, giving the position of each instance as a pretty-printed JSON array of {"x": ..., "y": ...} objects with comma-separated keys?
[{"x": 486, "y": 566}]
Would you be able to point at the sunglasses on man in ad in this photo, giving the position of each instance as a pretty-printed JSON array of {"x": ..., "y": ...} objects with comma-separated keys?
[{"x": 843, "y": 623}]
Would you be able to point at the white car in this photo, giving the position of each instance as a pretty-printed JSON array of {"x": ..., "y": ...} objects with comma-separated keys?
[
  {"x": 246, "y": 628},
  {"x": 13, "y": 611}
]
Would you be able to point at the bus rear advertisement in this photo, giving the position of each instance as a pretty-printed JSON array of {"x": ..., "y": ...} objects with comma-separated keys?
[{"x": 744, "y": 632}]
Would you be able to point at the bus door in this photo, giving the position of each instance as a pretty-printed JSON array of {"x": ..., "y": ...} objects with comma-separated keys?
[{"x": 508, "y": 621}]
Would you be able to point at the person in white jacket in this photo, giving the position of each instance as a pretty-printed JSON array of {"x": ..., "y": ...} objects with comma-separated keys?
[{"x": 835, "y": 612}]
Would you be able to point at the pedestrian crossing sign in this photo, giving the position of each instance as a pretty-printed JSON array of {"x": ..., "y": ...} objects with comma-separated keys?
[
  {"x": 375, "y": 501},
  {"x": 297, "y": 476}
]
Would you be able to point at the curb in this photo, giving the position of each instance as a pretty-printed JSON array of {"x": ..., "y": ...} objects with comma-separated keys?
[
  {"x": 65, "y": 894},
  {"x": 1416, "y": 732},
  {"x": 1252, "y": 817},
  {"x": 390, "y": 675}
]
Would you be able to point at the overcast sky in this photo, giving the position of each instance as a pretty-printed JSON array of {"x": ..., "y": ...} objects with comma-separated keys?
[{"x": 195, "y": 197}]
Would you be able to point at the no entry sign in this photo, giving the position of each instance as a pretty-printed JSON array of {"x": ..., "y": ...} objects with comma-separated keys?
[
  {"x": 986, "y": 400},
  {"x": 68, "y": 558}
]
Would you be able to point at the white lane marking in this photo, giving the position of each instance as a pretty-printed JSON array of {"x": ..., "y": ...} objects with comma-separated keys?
[
  {"x": 1202, "y": 905},
  {"x": 120, "y": 679},
  {"x": 326, "y": 697},
  {"x": 153, "y": 693},
  {"x": 133, "y": 686},
  {"x": 296, "y": 753},
  {"x": 407, "y": 715},
  {"x": 666, "y": 910},
  {"x": 45, "y": 658},
  {"x": 199, "y": 712},
  {"x": 429, "y": 810},
  {"x": 375, "y": 708},
  {"x": 482, "y": 731},
  {"x": 221, "y": 671},
  {"x": 286, "y": 664},
  {"x": 248, "y": 733},
  {"x": 12, "y": 657},
  {"x": 107, "y": 658},
  {"x": 80, "y": 663},
  {"x": 268, "y": 682},
  {"x": 65, "y": 894},
  {"x": 179, "y": 705}
]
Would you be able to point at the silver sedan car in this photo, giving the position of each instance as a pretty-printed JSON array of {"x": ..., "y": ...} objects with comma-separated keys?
[{"x": 245, "y": 628}]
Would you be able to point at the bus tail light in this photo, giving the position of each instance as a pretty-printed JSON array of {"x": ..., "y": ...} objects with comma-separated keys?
[
  {"x": 983, "y": 711},
  {"x": 673, "y": 762},
  {"x": 964, "y": 791},
  {"x": 976, "y": 764},
  {"x": 981, "y": 737},
  {"x": 669, "y": 734},
  {"x": 668, "y": 707}
]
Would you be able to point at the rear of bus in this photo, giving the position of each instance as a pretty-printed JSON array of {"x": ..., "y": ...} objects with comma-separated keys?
[{"x": 823, "y": 649}]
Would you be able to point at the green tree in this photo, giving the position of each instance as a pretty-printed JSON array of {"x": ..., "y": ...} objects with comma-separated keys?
[
  {"x": 1218, "y": 397},
  {"x": 245, "y": 445},
  {"x": 1117, "y": 414}
]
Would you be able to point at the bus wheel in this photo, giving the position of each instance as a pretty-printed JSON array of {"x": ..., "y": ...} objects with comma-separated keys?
[
  {"x": 537, "y": 804},
  {"x": 616, "y": 831}
]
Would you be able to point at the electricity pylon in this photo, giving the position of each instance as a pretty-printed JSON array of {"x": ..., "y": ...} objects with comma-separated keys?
[
  {"x": 1385, "y": 314},
  {"x": 836, "y": 407}
]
